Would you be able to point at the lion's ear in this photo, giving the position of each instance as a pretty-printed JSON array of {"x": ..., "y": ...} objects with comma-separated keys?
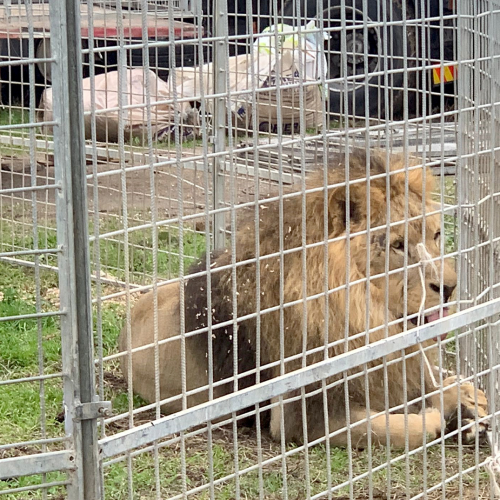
[
  {"x": 415, "y": 180},
  {"x": 337, "y": 208}
]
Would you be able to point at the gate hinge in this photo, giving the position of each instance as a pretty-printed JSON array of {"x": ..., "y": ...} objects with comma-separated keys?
[{"x": 91, "y": 411}]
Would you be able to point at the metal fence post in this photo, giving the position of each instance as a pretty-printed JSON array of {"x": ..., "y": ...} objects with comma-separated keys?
[
  {"x": 81, "y": 409},
  {"x": 479, "y": 182},
  {"x": 219, "y": 121}
]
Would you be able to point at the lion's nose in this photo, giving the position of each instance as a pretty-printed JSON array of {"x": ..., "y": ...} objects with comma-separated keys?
[{"x": 447, "y": 290}]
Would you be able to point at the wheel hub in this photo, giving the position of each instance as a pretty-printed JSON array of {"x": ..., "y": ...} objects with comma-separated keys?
[{"x": 361, "y": 56}]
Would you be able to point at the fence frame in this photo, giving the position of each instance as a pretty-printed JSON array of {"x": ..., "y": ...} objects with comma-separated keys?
[
  {"x": 81, "y": 413},
  {"x": 478, "y": 42}
]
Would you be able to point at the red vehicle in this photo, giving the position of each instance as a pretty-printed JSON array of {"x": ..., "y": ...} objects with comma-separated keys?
[{"x": 100, "y": 42}]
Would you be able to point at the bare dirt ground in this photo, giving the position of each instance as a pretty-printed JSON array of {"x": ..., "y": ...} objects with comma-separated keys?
[{"x": 114, "y": 187}]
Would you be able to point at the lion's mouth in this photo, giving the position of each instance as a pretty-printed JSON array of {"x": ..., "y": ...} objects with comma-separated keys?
[{"x": 433, "y": 316}]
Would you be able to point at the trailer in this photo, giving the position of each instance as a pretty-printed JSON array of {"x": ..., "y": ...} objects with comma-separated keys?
[{"x": 25, "y": 30}]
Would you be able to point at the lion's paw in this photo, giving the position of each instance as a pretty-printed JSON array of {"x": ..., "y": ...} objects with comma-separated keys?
[
  {"x": 472, "y": 431},
  {"x": 471, "y": 400}
]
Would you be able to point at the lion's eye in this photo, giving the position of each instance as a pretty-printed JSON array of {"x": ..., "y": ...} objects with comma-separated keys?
[
  {"x": 399, "y": 245},
  {"x": 437, "y": 236}
]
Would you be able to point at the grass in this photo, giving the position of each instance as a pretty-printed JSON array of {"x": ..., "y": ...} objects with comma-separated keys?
[
  {"x": 403, "y": 475},
  {"x": 29, "y": 411},
  {"x": 112, "y": 251},
  {"x": 13, "y": 116},
  {"x": 450, "y": 223},
  {"x": 141, "y": 266},
  {"x": 25, "y": 406}
]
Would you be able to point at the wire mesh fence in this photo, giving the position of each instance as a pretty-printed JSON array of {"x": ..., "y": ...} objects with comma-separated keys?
[{"x": 249, "y": 249}]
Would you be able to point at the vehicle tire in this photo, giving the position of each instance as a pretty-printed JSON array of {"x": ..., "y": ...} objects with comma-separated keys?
[
  {"x": 384, "y": 46},
  {"x": 17, "y": 87}
]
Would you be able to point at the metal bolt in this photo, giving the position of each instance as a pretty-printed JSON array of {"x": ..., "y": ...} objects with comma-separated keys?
[{"x": 105, "y": 412}]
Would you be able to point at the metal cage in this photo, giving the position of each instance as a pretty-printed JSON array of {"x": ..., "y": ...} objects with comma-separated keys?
[{"x": 249, "y": 249}]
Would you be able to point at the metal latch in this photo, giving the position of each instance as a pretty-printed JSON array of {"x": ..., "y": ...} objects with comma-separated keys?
[{"x": 91, "y": 411}]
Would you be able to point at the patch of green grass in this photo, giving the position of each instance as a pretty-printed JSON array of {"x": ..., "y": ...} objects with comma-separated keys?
[
  {"x": 110, "y": 252},
  {"x": 27, "y": 344},
  {"x": 21, "y": 356},
  {"x": 141, "y": 264},
  {"x": 14, "y": 116},
  {"x": 21, "y": 411},
  {"x": 16, "y": 236},
  {"x": 405, "y": 475},
  {"x": 54, "y": 492},
  {"x": 450, "y": 221}
]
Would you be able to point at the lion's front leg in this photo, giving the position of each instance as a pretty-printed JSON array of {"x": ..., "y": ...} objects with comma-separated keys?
[
  {"x": 399, "y": 428},
  {"x": 393, "y": 429},
  {"x": 468, "y": 406}
]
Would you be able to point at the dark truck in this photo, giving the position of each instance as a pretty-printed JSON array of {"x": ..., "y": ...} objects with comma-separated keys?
[
  {"x": 429, "y": 38},
  {"x": 429, "y": 34}
]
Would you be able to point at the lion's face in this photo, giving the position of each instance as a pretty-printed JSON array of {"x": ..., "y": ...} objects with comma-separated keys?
[
  {"x": 396, "y": 246},
  {"x": 408, "y": 246}
]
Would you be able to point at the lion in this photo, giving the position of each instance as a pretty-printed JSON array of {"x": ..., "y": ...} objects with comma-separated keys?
[{"x": 294, "y": 309}]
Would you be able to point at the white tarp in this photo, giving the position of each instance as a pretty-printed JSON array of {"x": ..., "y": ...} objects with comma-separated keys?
[
  {"x": 296, "y": 62},
  {"x": 130, "y": 93},
  {"x": 266, "y": 84}
]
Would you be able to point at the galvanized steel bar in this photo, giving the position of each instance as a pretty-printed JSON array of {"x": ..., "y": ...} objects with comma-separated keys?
[
  {"x": 72, "y": 232},
  {"x": 41, "y": 463},
  {"x": 219, "y": 67},
  {"x": 43, "y": 486}
]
